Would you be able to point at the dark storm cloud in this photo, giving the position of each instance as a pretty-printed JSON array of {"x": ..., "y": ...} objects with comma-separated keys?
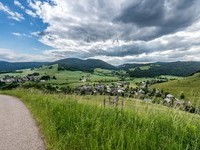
[
  {"x": 140, "y": 30},
  {"x": 91, "y": 33},
  {"x": 143, "y": 13},
  {"x": 121, "y": 51},
  {"x": 167, "y": 16},
  {"x": 164, "y": 16}
]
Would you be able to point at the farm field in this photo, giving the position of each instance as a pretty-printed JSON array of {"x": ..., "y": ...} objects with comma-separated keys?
[
  {"x": 66, "y": 77},
  {"x": 74, "y": 78},
  {"x": 76, "y": 122},
  {"x": 147, "y": 67}
]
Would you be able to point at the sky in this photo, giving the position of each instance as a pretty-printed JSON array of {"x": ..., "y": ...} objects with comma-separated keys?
[{"x": 116, "y": 31}]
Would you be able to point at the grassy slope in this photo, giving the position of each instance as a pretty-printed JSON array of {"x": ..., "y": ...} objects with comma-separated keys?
[
  {"x": 189, "y": 86},
  {"x": 72, "y": 78},
  {"x": 66, "y": 77},
  {"x": 74, "y": 122}
]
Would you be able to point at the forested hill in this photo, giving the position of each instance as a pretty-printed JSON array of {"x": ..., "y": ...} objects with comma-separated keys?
[
  {"x": 134, "y": 70},
  {"x": 64, "y": 64},
  {"x": 162, "y": 68},
  {"x": 83, "y": 65},
  {"x": 8, "y": 66}
]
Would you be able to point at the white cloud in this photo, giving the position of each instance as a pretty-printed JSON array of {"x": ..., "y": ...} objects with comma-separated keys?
[
  {"x": 16, "y": 34},
  {"x": 18, "y": 4},
  {"x": 31, "y": 13},
  {"x": 168, "y": 56},
  {"x": 87, "y": 29},
  {"x": 21, "y": 34},
  {"x": 165, "y": 56},
  {"x": 12, "y": 15},
  {"x": 10, "y": 55}
]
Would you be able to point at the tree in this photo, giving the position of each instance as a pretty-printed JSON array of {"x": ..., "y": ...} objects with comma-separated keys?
[
  {"x": 2, "y": 84},
  {"x": 46, "y": 77}
]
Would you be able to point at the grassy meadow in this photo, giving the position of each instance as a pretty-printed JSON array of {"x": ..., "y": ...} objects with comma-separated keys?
[
  {"x": 81, "y": 122},
  {"x": 67, "y": 77},
  {"x": 190, "y": 86},
  {"x": 72, "y": 78}
]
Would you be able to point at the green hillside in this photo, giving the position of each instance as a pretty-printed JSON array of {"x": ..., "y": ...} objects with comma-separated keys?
[
  {"x": 75, "y": 78},
  {"x": 12, "y": 66},
  {"x": 88, "y": 122},
  {"x": 182, "y": 69},
  {"x": 82, "y": 65},
  {"x": 190, "y": 86},
  {"x": 74, "y": 64},
  {"x": 81, "y": 122},
  {"x": 67, "y": 77}
]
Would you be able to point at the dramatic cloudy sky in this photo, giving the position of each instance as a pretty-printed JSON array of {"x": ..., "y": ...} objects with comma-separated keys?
[{"x": 116, "y": 31}]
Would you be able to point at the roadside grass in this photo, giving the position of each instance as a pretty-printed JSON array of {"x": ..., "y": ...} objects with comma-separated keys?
[{"x": 74, "y": 122}]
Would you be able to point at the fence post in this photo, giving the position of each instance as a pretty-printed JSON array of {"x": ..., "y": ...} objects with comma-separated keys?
[
  {"x": 104, "y": 102},
  {"x": 116, "y": 100},
  {"x": 109, "y": 99},
  {"x": 122, "y": 103}
]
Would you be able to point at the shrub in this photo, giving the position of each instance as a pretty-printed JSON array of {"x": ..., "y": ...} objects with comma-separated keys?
[
  {"x": 46, "y": 77},
  {"x": 182, "y": 96}
]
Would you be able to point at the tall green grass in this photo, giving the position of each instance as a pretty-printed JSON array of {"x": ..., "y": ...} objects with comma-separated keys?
[{"x": 68, "y": 123}]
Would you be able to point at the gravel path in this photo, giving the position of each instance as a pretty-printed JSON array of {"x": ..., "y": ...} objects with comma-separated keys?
[{"x": 18, "y": 130}]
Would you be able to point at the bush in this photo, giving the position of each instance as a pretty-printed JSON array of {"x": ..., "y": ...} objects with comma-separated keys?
[
  {"x": 182, "y": 96},
  {"x": 66, "y": 90},
  {"x": 2, "y": 84},
  {"x": 54, "y": 78},
  {"x": 33, "y": 85},
  {"x": 9, "y": 86},
  {"x": 34, "y": 74},
  {"x": 50, "y": 88},
  {"x": 46, "y": 77}
]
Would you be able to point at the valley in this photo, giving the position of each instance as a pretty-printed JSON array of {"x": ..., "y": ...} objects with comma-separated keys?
[
  {"x": 99, "y": 75},
  {"x": 108, "y": 106}
]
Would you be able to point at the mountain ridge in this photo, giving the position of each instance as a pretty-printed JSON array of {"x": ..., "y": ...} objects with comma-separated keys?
[
  {"x": 178, "y": 68},
  {"x": 83, "y": 65},
  {"x": 12, "y": 66}
]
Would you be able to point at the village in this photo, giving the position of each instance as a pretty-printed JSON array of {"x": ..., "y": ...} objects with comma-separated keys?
[
  {"x": 143, "y": 91},
  {"x": 16, "y": 79},
  {"x": 35, "y": 77}
]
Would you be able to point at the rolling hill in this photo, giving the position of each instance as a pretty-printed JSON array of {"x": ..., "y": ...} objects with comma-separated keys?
[
  {"x": 74, "y": 64},
  {"x": 83, "y": 65},
  {"x": 182, "y": 69},
  {"x": 189, "y": 86},
  {"x": 12, "y": 66}
]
